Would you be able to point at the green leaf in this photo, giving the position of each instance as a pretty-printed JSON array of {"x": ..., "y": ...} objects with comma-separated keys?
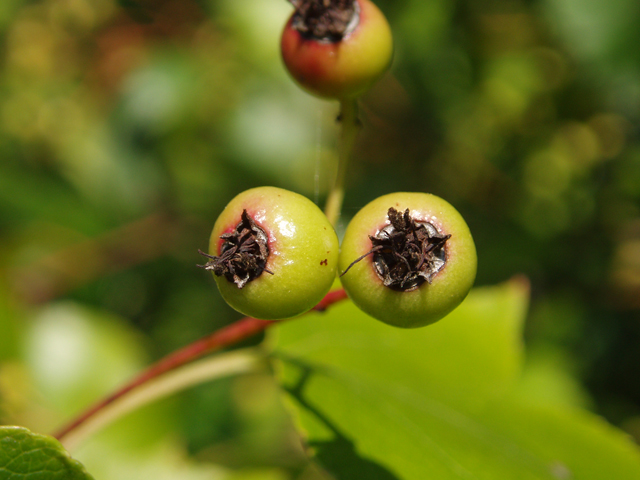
[
  {"x": 569, "y": 444},
  {"x": 465, "y": 359},
  {"x": 383, "y": 403},
  {"x": 37, "y": 457}
]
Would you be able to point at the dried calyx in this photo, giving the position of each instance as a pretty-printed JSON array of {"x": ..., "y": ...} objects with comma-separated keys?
[
  {"x": 243, "y": 255},
  {"x": 407, "y": 252},
  {"x": 328, "y": 20}
]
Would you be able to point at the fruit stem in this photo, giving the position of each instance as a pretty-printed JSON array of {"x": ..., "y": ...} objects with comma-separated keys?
[
  {"x": 350, "y": 127},
  {"x": 224, "y": 364},
  {"x": 224, "y": 337}
]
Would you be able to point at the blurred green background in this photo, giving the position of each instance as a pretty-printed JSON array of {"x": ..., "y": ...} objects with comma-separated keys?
[{"x": 125, "y": 127}]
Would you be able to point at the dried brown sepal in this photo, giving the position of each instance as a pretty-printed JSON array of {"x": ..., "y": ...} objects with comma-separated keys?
[
  {"x": 243, "y": 255},
  {"x": 406, "y": 253},
  {"x": 328, "y": 20}
]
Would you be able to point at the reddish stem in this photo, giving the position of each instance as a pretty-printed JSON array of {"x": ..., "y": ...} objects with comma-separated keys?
[{"x": 226, "y": 336}]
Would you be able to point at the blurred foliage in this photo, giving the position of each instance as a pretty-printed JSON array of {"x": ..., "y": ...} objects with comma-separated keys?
[{"x": 126, "y": 126}]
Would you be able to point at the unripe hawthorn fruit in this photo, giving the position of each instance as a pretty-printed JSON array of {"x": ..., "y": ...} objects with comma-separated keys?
[
  {"x": 273, "y": 253},
  {"x": 408, "y": 259},
  {"x": 337, "y": 62}
]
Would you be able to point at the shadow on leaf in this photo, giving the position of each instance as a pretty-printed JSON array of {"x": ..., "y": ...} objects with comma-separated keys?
[{"x": 339, "y": 455}]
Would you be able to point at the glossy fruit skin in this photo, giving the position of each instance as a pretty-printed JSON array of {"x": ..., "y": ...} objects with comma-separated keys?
[
  {"x": 342, "y": 69},
  {"x": 429, "y": 302},
  {"x": 303, "y": 253}
]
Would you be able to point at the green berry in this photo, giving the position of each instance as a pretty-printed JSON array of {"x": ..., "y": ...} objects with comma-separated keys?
[
  {"x": 273, "y": 253},
  {"x": 408, "y": 259},
  {"x": 336, "y": 49}
]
